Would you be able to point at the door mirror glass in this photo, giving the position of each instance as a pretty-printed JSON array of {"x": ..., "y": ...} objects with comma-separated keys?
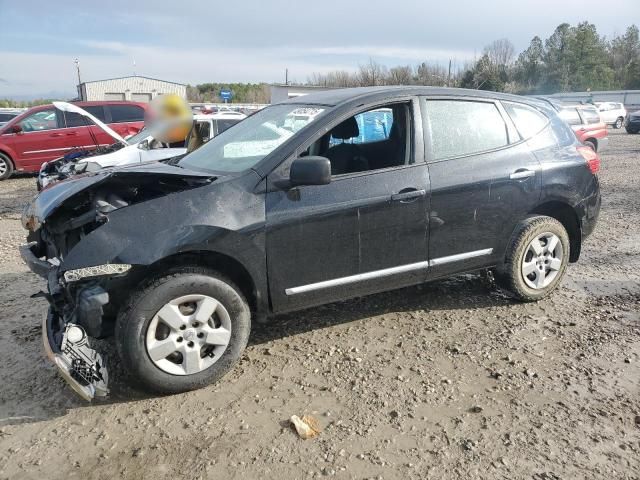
[
  {"x": 310, "y": 171},
  {"x": 144, "y": 145}
]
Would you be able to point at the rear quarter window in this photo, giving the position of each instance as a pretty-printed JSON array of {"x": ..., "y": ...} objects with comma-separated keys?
[
  {"x": 528, "y": 120},
  {"x": 463, "y": 127},
  {"x": 126, "y": 113}
]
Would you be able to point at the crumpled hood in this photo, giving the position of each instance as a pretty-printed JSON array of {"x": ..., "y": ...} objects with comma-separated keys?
[{"x": 48, "y": 200}]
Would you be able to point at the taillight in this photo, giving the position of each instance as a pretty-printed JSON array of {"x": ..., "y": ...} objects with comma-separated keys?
[{"x": 591, "y": 157}]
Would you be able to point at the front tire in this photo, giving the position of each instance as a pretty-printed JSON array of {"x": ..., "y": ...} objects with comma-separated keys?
[
  {"x": 183, "y": 331},
  {"x": 6, "y": 167},
  {"x": 618, "y": 124},
  {"x": 536, "y": 259}
]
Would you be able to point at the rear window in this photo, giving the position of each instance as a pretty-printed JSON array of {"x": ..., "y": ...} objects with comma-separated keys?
[
  {"x": 591, "y": 115},
  {"x": 461, "y": 127},
  {"x": 126, "y": 113},
  {"x": 527, "y": 120}
]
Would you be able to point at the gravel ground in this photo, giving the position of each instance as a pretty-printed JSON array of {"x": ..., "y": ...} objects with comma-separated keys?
[{"x": 446, "y": 380}]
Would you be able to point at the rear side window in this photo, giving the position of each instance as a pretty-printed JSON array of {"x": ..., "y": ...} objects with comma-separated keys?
[
  {"x": 462, "y": 127},
  {"x": 570, "y": 115},
  {"x": 591, "y": 115},
  {"x": 126, "y": 113},
  {"x": 76, "y": 120},
  {"x": 224, "y": 124},
  {"x": 97, "y": 111},
  {"x": 527, "y": 120}
]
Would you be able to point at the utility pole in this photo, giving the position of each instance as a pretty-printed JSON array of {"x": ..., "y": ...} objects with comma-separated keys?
[
  {"x": 286, "y": 76},
  {"x": 77, "y": 62},
  {"x": 449, "y": 76}
]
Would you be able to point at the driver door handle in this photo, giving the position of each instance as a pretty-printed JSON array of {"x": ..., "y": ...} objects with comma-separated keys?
[
  {"x": 522, "y": 173},
  {"x": 407, "y": 195}
]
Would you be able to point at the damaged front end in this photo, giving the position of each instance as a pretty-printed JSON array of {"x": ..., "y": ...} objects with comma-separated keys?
[{"x": 84, "y": 299}]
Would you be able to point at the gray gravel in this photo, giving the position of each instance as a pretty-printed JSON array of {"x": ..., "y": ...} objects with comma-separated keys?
[{"x": 447, "y": 380}]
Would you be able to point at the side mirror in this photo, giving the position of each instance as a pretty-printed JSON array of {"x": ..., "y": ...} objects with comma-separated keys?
[
  {"x": 144, "y": 145},
  {"x": 17, "y": 128},
  {"x": 310, "y": 171}
]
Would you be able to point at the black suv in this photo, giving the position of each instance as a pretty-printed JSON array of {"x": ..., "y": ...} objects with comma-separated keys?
[{"x": 325, "y": 197}]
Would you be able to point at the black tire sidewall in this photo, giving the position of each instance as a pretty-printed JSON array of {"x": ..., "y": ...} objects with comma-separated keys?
[
  {"x": 9, "y": 163},
  {"x": 527, "y": 231},
  {"x": 132, "y": 324}
]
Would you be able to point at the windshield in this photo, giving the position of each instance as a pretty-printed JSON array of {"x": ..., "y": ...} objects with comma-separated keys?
[{"x": 248, "y": 142}]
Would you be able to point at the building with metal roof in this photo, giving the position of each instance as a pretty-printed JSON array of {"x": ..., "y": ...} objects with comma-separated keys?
[{"x": 134, "y": 88}]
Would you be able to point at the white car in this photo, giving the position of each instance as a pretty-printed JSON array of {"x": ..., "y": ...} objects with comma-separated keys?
[
  {"x": 612, "y": 113},
  {"x": 142, "y": 147}
]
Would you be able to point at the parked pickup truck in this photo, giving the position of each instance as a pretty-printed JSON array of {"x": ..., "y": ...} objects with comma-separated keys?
[{"x": 178, "y": 260}]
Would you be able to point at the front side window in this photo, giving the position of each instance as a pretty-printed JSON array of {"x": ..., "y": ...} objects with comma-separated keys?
[
  {"x": 462, "y": 127},
  {"x": 247, "y": 143},
  {"x": 126, "y": 113},
  {"x": 373, "y": 126},
  {"x": 370, "y": 140},
  {"x": 38, "y": 121},
  {"x": 527, "y": 120}
]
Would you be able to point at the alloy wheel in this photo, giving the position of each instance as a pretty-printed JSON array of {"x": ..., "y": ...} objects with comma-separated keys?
[
  {"x": 3, "y": 166},
  {"x": 188, "y": 334},
  {"x": 542, "y": 261}
]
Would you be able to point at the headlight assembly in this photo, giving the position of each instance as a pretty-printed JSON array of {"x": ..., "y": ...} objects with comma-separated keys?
[{"x": 97, "y": 271}]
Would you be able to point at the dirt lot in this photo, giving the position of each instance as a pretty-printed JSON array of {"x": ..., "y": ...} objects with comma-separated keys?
[{"x": 447, "y": 380}]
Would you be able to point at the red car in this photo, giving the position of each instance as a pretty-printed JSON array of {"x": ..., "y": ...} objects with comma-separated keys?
[
  {"x": 44, "y": 133},
  {"x": 587, "y": 125}
]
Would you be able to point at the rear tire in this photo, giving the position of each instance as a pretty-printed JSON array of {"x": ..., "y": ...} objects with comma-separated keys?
[
  {"x": 591, "y": 144},
  {"x": 6, "y": 166},
  {"x": 201, "y": 350},
  {"x": 618, "y": 124},
  {"x": 536, "y": 259}
]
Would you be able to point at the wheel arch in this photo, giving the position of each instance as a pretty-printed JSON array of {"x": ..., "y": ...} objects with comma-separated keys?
[
  {"x": 225, "y": 264},
  {"x": 6, "y": 153},
  {"x": 567, "y": 216}
]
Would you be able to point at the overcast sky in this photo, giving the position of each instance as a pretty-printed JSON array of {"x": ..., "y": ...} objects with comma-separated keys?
[{"x": 255, "y": 40}]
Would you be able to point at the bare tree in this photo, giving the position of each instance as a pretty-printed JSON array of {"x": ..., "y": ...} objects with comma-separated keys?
[
  {"x": 500, "y": 52},
  {"x": 371, "y": 74},
  {"x": 402, "y": 75}
]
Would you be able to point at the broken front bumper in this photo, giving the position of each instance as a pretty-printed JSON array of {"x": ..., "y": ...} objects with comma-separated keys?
[
  {"x": 82, "y": 367},
  {"x": 66, "y": 343}
]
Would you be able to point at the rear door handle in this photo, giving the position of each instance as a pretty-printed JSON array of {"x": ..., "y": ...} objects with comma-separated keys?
[
  {"x": 70, "y": 134},
  {"x": 406, "y": 196},
  {"x": 55, "y": 135},
  {"x": 522, "y": 173}
]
